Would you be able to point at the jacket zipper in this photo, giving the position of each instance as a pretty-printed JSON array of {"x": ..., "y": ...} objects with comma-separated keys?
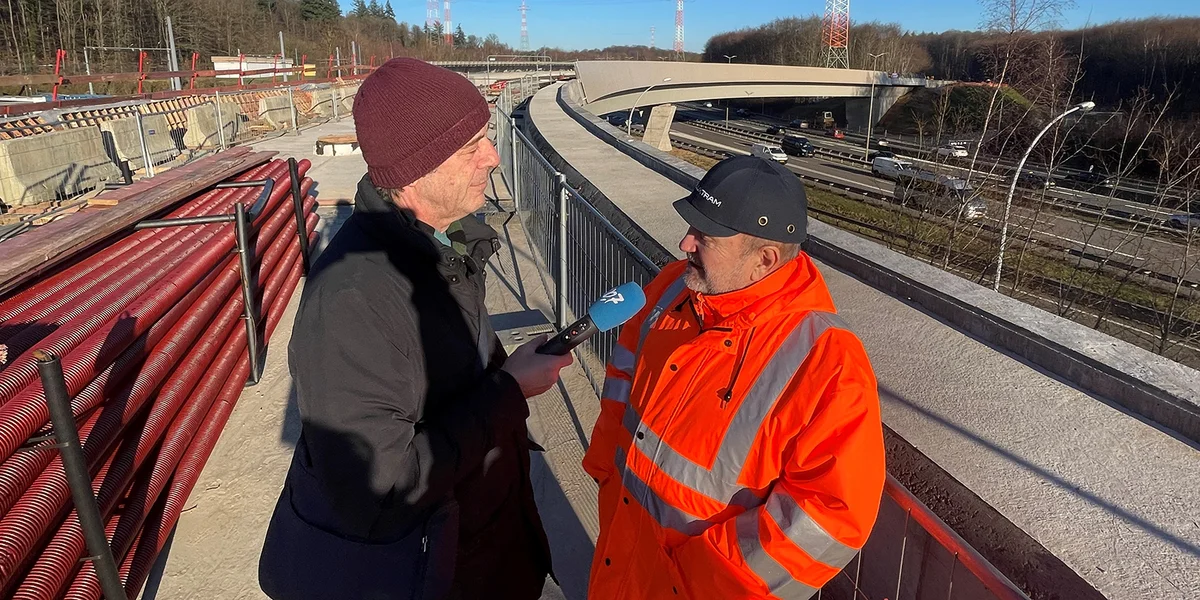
[{"x": 737, "y": 368}]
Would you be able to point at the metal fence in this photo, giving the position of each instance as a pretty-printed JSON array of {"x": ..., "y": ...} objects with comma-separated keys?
[{"x": 911, "y": 554}]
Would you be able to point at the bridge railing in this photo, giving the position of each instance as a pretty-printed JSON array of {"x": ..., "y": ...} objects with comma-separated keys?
[{"x": 911, "y": 554}]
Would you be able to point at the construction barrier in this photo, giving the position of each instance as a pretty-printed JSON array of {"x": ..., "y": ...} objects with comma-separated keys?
[
  {"x": 48, "y": 166},
  {"x": 130, "y": 141}
]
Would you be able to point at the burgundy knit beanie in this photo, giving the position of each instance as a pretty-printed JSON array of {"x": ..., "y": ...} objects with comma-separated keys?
[{"x": 411, "y": 116}]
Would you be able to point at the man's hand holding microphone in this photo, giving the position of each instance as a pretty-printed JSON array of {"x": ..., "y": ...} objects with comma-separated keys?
[{"x": 536, "y": 364}]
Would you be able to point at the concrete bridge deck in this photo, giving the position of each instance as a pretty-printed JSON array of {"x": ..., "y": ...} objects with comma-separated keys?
[{"x": 1109, "y": 494}]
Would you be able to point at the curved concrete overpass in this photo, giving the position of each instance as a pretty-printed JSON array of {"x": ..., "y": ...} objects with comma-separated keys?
[{"x": 616, "y": 85}]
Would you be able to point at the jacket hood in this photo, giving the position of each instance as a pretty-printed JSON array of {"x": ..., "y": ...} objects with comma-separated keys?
[{"x": 795, "y": 287}]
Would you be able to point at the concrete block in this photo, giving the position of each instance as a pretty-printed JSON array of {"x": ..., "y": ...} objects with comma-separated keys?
[
  {"x": 658, "y": 127},
  {"x": 123, "y": 143},
  {"x": 51, "y": 165},
  {"x": 204, "y": 128},
  {"x": 322, "y": 103},
  {"x": 276, "y": 111}
]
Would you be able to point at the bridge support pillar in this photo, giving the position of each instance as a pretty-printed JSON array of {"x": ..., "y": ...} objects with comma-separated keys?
[
  {"x": 658, "y": 127},
  {"x": 857, "y": 108}
]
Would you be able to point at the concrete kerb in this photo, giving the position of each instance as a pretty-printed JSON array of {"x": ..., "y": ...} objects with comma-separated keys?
[
  {"x": 122, "y": 140},
  {"x": 53, "y": 165},
  {"x": 1160, "y": 390}
]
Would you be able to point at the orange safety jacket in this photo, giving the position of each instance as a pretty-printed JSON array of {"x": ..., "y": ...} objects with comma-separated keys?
[{"x": 739, "y": 447}]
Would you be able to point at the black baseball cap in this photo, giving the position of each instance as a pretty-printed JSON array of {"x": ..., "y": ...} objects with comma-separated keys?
[{"x": 751, "y": 195}]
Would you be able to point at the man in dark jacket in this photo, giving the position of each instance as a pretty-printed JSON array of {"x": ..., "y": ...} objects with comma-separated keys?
[{"x": 411, "y": 475}]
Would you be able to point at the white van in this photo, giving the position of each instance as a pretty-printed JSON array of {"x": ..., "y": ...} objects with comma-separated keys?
[
  {"x": 769, "y": 152},
  {"x": 890, "y": 167}
]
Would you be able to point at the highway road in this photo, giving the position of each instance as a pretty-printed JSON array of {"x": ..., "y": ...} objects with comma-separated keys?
[
  {"x": 1130, "y": 247},
  {"x": 1100, "y": 202}
]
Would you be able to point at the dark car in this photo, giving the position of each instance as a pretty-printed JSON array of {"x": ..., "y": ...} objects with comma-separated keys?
[
  {"x": 1090, "y": 179},
  {"x": 797, "y": 123},
  {"x": 798, "y": 146},
  {"x": 880, "y": 154},
  {"x": 774, "y": 130},
  {"x": 1034, "y": 181}
]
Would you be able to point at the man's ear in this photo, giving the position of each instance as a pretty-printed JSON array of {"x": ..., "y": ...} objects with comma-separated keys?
[{"x": 768, "y": 258}]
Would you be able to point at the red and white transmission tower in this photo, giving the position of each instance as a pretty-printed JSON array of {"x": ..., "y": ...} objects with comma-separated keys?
[
  {"x": 431, "y": 20},
  {"x": 836, "y": 34},
  {"x": 679, "y": 29},
  {"x": 524, "y": 28},
  {"x": 652, "y": 44},
  {"x": 448, "y": 27}
]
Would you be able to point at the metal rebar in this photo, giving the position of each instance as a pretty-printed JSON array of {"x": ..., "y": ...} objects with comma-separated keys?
[
  {"x": 75, "y": 465},
  {"x": 183, "y": 221},
  {"x": 298, "y": 203},
  {"x": 254, "y": 340},
  {"x": 950, "y": 588},
  {"x": 903, "y": 546}
]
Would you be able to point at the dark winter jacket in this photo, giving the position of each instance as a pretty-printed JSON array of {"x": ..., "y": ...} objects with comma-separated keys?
[{"x": 412, "y": 467}]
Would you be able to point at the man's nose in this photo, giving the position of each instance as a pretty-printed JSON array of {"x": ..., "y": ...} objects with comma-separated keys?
[
  {"x": 688, "y": 243},
  {"x": 491, "y": 157}
]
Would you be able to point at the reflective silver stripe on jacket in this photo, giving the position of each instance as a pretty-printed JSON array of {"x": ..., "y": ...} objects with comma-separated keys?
[
  {"x": 664, "y": 301},
  {"x": 779, "y": 581},
  {"x": 622, "y": 359},
  {"x": 720, "y": 482},
  {"x": 617, "y": 389}
]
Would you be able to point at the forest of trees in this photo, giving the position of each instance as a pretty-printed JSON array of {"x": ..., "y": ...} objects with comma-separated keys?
[
  {"x": 31, "y": 31},
  {"x": 1116, "y": 62}
]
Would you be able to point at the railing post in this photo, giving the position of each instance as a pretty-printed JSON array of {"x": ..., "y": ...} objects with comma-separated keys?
[
  {"x": 220, "y": 121},
  {"x": 336, "y": 101},
  {"x": 66, "y": 437},
  {"x": 516, "y": 181},
  {"x": 294, "y": 115},
  {"x": 562, "y": 307},
  {"x": 137, "y": 115}
]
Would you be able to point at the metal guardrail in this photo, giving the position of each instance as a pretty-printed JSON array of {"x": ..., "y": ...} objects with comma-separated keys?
[{"x": 911, "y": 554}]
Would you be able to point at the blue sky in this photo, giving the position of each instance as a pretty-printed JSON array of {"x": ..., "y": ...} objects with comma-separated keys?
[{"x": 575, "y": 24}]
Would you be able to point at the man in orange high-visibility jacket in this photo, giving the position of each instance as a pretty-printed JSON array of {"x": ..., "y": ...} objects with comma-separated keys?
[{"x": 739, "y": 448}]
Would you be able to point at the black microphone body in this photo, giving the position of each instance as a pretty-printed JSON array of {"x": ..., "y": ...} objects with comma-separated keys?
[{"x": 564, "y": 341}]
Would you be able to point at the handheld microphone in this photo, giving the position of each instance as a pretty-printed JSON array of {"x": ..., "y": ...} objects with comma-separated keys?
[{"x": 612, "y": 309}]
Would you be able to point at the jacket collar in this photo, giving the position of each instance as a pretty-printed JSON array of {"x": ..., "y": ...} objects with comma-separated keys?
[
  {"x": 795, "y": 287},
  {"x": 392, "y": 227}
]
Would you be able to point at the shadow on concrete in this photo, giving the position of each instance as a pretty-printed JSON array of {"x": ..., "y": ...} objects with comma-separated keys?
[
  {"x": 570, "y": 545},
  {"x": 1117, "y": 511}
]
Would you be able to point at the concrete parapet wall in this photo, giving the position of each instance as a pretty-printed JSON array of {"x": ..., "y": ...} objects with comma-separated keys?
[
  {"x": 276, "y": 111},
  {"x": 52, "y": 165},
  {"x": 123, "y": 142},
  {"x": 204, "y": 128},
  {"x": 1159, "y": 389}
]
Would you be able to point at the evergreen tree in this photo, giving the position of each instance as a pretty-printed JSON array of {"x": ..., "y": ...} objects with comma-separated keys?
[
  {"x": 319, "y": 10},
  {"x": 375, "y": 11},
  {"x": 360, "y": 9},
  {"x": 460, "y": 37},
  {"x": 387, "y": 10}
]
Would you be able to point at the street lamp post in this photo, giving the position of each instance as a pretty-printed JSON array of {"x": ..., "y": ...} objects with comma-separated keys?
[
  {"x": 629, "y": 123},
  {"x": 1012, "y": 187},
  {"x": 871, "y": 109},
  {"x": 490, "y": 60},
  {"x": 730, "y": 58}
]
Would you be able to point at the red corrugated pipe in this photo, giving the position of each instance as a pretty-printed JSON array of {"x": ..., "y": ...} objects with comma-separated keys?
[
  {"x": 45, "y": 501},
  {"x": 88, "y": 318},
  {"x": 19, "y": 419},
  {"x": 183, "y": 478},
  {"x": 57, "y": 563}
]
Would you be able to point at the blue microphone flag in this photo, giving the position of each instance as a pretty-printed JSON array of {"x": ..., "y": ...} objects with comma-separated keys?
[{"x": 617, "y": 306}]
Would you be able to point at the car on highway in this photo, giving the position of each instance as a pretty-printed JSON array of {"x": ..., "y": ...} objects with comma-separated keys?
[
  {"x": 1185, "y": 221},
  {"x": 883, "y": 143},
  {"x": 741, "y": 112},
  {"x": 769, "y": 152},
  {"x": 952, "y": 151},
  {"x": 798, "y": 124},
  {"x": 1034, "y": 181},
  {"x": 874, "y": 154},
  {"x": 1090, "y": 179},
  {"x": 775, "y": 130},
  {"x": 890, "y": 167},
  {"x": 941, "y": 195},
  {"x": 835, "y": 134},
  {"x": 798, "y": 146},
  {"x": 617, "y": 119}
]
